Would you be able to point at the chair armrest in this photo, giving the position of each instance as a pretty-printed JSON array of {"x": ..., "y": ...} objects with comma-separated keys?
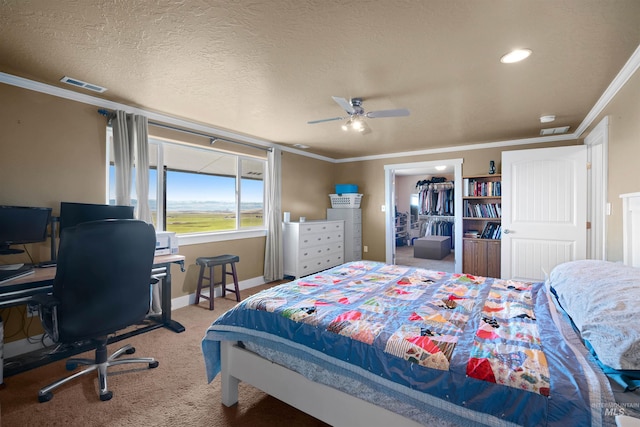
[
  {"x": 48, "y": 312},
  {"x": 44, "y": 300}
]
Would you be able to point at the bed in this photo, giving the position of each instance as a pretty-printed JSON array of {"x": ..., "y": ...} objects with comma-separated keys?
[{"x": 368, "y": 343}]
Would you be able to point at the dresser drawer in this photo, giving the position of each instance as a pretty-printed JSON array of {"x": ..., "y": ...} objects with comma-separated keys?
[
  {"x": 320, "y": 227},
  {"x": 312, "y": 246},
  {"x": 319, "y": 251},
  {"x": 314, "y": 265},
  {"x": 318, "y": 239},
  {"x": 357, "y": 230}
]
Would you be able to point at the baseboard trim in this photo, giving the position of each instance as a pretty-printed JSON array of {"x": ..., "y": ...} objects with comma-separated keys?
[{"x": 190, "y": 299}]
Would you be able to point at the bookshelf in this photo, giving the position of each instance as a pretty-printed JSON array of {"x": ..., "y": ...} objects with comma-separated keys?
[{"x": 481, "y": 224}]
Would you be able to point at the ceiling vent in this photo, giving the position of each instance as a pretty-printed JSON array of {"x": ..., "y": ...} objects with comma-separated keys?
[
  {"x": 84, "y": 85},
  {"x": 554, "y": 131}
]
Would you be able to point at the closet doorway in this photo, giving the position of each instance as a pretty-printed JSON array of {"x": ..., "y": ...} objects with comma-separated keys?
[{"x": 406, "y": 221}]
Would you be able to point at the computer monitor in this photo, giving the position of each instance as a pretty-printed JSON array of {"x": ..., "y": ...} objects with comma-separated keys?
[
  {"x": 21, "y": 225},
  {"x": 72, "y": 214}
]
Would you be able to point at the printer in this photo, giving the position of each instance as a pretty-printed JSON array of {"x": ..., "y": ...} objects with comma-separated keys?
[{"x": 166, "y": 243}]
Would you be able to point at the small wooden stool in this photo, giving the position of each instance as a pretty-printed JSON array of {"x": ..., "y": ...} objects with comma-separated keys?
[{"x": 211, "y": 262}]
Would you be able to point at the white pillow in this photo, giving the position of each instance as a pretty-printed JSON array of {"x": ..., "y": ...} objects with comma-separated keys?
[{"x": 603, "y": 300}]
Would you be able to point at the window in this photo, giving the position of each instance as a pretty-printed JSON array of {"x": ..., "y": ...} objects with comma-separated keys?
[{"x": 196, "y": 190}]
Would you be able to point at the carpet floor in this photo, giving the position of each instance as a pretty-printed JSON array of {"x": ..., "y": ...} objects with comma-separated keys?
[{"x": 176, "y": 393}]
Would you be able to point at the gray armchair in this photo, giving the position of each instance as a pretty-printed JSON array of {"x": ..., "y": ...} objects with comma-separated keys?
[{"x": 102, "y": 285}]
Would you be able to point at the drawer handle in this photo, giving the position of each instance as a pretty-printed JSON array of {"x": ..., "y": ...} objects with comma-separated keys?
[{"x": 306, "y": 253}]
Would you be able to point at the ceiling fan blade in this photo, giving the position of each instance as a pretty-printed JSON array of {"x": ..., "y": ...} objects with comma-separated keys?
[
  {"x": 325, "y": 120},
  {"x": 400, "y": 112},
  {"x": 346, "y": 105}
]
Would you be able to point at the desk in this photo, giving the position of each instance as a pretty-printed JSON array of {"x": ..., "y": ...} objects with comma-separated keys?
[{"x": 19, "y": 291}]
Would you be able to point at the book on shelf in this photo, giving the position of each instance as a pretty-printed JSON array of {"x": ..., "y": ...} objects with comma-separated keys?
[
  {"x": 492, "y": 230},
  {"x": 482, "y": 210},
  {"x": 472, "y": 234},
  {"x": 475, "y": 188}
]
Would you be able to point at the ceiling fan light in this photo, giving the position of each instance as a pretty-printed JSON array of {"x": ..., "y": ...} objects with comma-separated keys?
[
  {"x": 357, "y": 125},
  {"x": 345, "y": 126}
]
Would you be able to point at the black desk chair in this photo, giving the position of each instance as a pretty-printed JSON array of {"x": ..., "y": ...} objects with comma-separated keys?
[{"x": 101, "y": 286}]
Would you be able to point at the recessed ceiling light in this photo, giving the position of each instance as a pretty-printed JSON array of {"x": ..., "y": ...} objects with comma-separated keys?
[
  {"x": 547, "y": 119},
  {"x": 516, "y": 55}
]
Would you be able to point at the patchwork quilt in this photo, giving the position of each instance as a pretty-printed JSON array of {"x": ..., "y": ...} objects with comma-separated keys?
[{"x": 487, "y": 345}]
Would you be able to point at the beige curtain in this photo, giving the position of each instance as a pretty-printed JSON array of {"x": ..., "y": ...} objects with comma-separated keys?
[
  {"x": 131, "y": 150},
  {"x": 273, "y": 262}
]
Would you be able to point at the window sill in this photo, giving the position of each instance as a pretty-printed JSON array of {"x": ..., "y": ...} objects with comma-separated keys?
[{"x": 196, "y": 239}]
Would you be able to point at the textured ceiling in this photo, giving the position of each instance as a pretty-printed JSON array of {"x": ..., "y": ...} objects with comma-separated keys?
[{"x": 265, "y": 68}]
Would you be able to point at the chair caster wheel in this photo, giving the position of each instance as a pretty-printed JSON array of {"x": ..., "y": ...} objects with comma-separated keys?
[
  {"x": 107, "y": 396},
  {"x": 45, "y": 397},
  {"x": 130, "y": 350},
  {"x": 153, "y": 364}
]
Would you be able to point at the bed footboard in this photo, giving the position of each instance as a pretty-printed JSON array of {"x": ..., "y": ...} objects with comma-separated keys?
[
  {"x": 318, "y": 400},
  {"x": 229, "y": 381}
]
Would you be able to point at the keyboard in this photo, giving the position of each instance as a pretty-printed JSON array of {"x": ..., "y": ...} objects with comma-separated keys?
[{"x": 7, "y": 275}]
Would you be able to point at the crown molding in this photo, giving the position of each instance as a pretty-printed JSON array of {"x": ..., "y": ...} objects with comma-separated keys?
[
  {"x": 630, "y": 67},
  {"x": 110, "y": 105},
  {"x": 467, "y": 147}
]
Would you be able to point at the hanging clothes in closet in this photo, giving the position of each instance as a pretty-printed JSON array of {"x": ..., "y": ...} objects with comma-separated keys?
[
  {"x": 435, "y": 198},
  {"x": 438, "y": 226}
]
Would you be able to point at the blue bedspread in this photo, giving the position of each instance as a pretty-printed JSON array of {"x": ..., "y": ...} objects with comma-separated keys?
[{"x": 488, "y": 346}]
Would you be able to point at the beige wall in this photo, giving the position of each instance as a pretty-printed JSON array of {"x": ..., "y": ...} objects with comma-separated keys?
[
  {"x": 52, "y": 149},
  {"x": 624, "y": 151},
  {"x": 369, "y": 175},
  {"x": 306, "y": 185}
]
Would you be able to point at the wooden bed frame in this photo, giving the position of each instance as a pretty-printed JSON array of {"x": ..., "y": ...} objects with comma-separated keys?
[
  {"x": 332, "y": 406},
  {"x": 318, "y": 400}
]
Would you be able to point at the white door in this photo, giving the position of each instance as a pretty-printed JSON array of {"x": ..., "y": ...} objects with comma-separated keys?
[
  {"x": 544, "y": 204},
  {"x": 597, "y": 142}
]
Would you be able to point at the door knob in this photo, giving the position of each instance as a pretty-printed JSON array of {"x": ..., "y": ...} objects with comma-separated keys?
[{"x": 506, "y": 231}]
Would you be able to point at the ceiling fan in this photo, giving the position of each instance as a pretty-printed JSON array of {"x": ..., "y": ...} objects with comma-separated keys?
[{"x": 356, "y": 114}]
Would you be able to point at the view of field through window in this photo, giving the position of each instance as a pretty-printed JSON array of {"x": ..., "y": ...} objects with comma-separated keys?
[{"x": 199, "y": 202}]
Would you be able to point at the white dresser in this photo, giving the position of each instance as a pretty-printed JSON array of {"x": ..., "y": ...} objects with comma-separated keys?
[
  {"x": 352, "y": 231},
  {"x": 312, "y": 246}
]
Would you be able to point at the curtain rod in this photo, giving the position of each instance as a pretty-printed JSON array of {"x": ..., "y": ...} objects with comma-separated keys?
[{"x": 212, "y": 138}]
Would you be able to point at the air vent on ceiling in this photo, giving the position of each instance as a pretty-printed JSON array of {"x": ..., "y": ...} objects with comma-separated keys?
[
  {"x": 554, "y": 131},
  {"x": 84, "y": 85}
]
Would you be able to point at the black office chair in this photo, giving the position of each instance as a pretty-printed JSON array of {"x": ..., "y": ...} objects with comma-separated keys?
[{"x": 101, "y": 286}]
